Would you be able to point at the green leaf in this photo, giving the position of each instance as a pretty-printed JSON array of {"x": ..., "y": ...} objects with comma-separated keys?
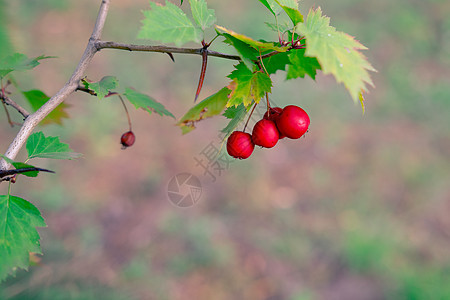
[
  {"x": 103, "y": 87},
  {"x": 277, "y": 62},
  {"x": 48, "y": 147},
  {"x": 290, "y": 7},
  {"x": 231, "y": 112},
  {"x": 19, "y": 62},
  {"x": 288, "y": 3},
  {"x": 247, "y": 53},
  {"x": 279, "y": 27},
  {"x": 337, "y": 52},
  {"x": 37, "y": 98},
  {"x": 168, "y": 24},
  {"x": 278, "y": 5},
  {"x": 146, "y": 103},
  {"x": 267, "y": 5},
  {"x": 18, "y": 235},
  {"x": 293, "y": 14},
  {"x": 361, "y": 100},
  {"x": 211, "y": 106},
  {"x": 203, "y": 16},
  {"x": 247, "y": 48},
  {"x": 247, "y": 87},
  {"x": 261, "y": 46},
  {"x": 237, "y": 115},
  {"x": 302, "y": 65}
]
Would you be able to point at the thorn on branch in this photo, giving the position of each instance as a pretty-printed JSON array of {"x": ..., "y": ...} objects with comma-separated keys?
[
  {"x": 203, "y": 70},
  {"x": 4, "y": 173},
  {"x": 86, "y": 90},
  {"x": 171, "y": 56},
  {"x": 91, "y": 92}
]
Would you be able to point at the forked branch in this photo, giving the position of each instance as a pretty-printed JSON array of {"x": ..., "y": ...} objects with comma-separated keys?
[
  {"x": 33, "y": 119},
  {"x": 13, "y": 104},
  {"x": 94, "y": 45}
]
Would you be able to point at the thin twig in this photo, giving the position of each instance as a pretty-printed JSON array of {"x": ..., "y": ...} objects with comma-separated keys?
[
  {"x": 7, "y": 115},
  {"x": 263, "y": 68},
  {"x": 33, "y": 120},
  {"x": 209, "y": 44},
  {"x": 166, "y": 49},
  {"x": 162, "y": 49},
  {"x": 13, "y": 104}
]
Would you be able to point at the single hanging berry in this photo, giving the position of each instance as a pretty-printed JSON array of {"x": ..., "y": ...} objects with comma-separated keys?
[{"x": 127, "y": 139}]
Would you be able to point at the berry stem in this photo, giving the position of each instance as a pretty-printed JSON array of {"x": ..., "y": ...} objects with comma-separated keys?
[
  {"x": 261, "y": 63},
  {"x": 126, "y": 111},
  {"x": 280, "y": 38},
  {"x": 262, "y": 67},
  {"x": 251, "y": 113},
  {"x": 209, "y": 44}
]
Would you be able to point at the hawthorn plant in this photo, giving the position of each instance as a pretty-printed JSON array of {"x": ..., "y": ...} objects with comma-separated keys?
[{"x": 302, "y": 47}]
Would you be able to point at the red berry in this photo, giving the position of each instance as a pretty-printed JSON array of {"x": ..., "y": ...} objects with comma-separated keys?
[
  {"x": 280, "y": 135},
  {"x": 273, "y": 113},
  {"x": 293, "y": 122},
  {"x": 240, "y": 145},
  {"x": 265, "y": 133},
  {"x": 127, "y": 139}
]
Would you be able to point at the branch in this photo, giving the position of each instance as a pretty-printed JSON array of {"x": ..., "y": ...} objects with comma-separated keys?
[
  {"x": 33, "y": 120},
  {"x": 162, "y": 49},
  {"x": 166, "y": 49},
  {"x": 94, "y": 45},
  {"x": 14, "y": 105}
]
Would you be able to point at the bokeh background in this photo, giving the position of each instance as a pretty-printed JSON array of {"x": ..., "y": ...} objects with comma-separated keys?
[{"x": 358, "y": 209}]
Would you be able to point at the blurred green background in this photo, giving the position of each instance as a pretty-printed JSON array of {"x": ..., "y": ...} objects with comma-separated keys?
[{"x": 359, "y": 209}]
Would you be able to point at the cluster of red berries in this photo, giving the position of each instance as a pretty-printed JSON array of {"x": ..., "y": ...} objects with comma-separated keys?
[{"x": 291, "y": 122}]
